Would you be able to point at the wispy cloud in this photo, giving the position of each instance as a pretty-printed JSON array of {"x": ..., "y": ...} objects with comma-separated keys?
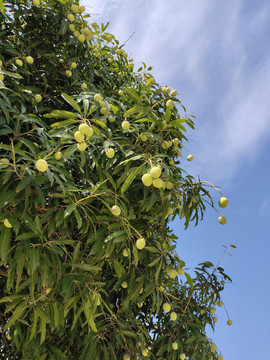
[
  {"x": 216, "y": 56},
  {"x": 264, "y": 206}
]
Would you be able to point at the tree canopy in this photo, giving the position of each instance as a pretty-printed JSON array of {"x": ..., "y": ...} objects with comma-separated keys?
[{"x": 91, "y": 175}]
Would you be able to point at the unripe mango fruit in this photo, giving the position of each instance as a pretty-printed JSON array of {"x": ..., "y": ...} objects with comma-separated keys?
[
  {"x": 147, "y": 179},
  {"x": 42, "y": 165},
  {"x": 155, "y": 172},
  {"x": 116, "y": 210},
  {"x": 86, "y": 130}
]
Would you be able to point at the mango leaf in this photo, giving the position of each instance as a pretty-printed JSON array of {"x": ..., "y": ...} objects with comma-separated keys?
[
  {"x": 146, "y": 120},
  {"x": 70, "y": 209},
  {"x": 60, "y": 114},
  {"x": 17, "y": 313},
  {"x": 2, "y": 8},
  {"x": 63, "y": 123},
  {"x": 42, "y": 331},
  {"x": 12, "y": 298},
  {"x": 115, "y": 234},
  {"x": 56, "y": 315},
  {"x": 11, "y": 74},
  {"x": 71, "y": 102},
  {"x": 34, "y": 258},
  {"x": 100, "y": 123},
  {"x": 92, "y": 324},
  {"x": 70, "y": 151},
  {"x": 114, "y": 108},
  {"x": 130, "y": 178},
  {"x": 57, "y": 352},
  {"x": 178, "y": 123},
  {"x": 24, "y": 182},
  {"x": 153, "y": 263},
  {"x": 11, "y": 275},
  {"x": 133, "y": 94},
  {"x": 34, "y": 325},
  {"x": 134, "y": 109},
  {"x": 25, "y": 236},
  {"x": 15, "y": 224},
  {"x": 158, "y": 270},
  {"x": 19, "y": 270},
  {"x": 189, "y": 280},
  {"x": 86, "y": 267},
  {"x": 78, "y": 218},
  {"x": 6, "y": 197},
  {"x": 5, "y": 239},
  {"x": 168, "y": 114},
  {"x": 149, "y": 81},
  {"x": 29, "y": 223},
  {"x": 119, "y": 268}
]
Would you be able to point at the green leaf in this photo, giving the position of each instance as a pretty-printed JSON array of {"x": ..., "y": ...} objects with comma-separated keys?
[
  {"x": 29, "y": 223},
  {"x": 153, "y": 263},
  {"x": 70, "y": 209},
  {"x": 15, "y": 224},
  {"x": 2, "y": 8},
  {"x": 57, "y": 352},
  {"x": 86, "y": 267},
  {"x": 26, "y": 236},
  {"x": 5, "y": 239},
  {"x": 100, "y": 123},
  {"x": 17, "y": 313},
  {"x": 133, "y": 94},
  {"x": 158, "y": 270},
  {"x": 178, "y": 123},
  {"x": 34, "y": 326},
  {"x": 71, "y": 102},
  {"x": 11, "y": 275},
  {"x": 119, "y": 268},
  {"x": 115, "y": 234},
  {"x": 133, "y": 110},
  {"x": 56, "y": 315},
  {"x": 63, "y": 123},
  {"x": 189, "y": 280},
  {"x": 42, "y": 314},
  {"x": 42, "y": 331},
  {"x": 168, "y": 114},
  {"x": 92, "y": 323},
  {"x": 76, "y": 252},
  {"x": 11, "y": 74},
  {"x": 12, "y": 298},
  {"x": 61, "y": 114},
  {"x": 78, "y": 218},
  {"x": 151, "y": 249},
  {"x": 70, "y": 151},
  {"x": 114, "y": 109},
  {"x": 146, "y": 120},
  {"x": 6, "y": 197},
  {"x": 130, "y": 178},
  {"x": 19, "y": 270},
  {"x": 24, "y": 182},
  {"x": 34, "y": 258}
]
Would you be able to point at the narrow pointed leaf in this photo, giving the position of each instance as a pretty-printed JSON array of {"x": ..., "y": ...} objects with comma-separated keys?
[{"x": 71, "y": 102}]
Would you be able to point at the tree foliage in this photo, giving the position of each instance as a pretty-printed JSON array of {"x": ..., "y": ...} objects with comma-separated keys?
[{"x": 74, "y": 281}]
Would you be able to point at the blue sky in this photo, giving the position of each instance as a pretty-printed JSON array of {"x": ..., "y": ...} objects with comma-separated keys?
[{"x": 217, "y": 56}]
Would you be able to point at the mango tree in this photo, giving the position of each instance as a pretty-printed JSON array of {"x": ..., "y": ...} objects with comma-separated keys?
[{"x": 91, "y": 176}]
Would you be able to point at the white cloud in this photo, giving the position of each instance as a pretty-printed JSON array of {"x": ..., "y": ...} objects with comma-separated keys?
[{"x": 215, "y": 56}]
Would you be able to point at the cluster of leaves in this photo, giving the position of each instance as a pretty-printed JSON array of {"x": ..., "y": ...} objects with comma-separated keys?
[{"x": 65, "y": 256}]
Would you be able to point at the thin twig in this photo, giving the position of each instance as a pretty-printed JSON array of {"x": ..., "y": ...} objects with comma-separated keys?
[{"x": 120, "y": 47}]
